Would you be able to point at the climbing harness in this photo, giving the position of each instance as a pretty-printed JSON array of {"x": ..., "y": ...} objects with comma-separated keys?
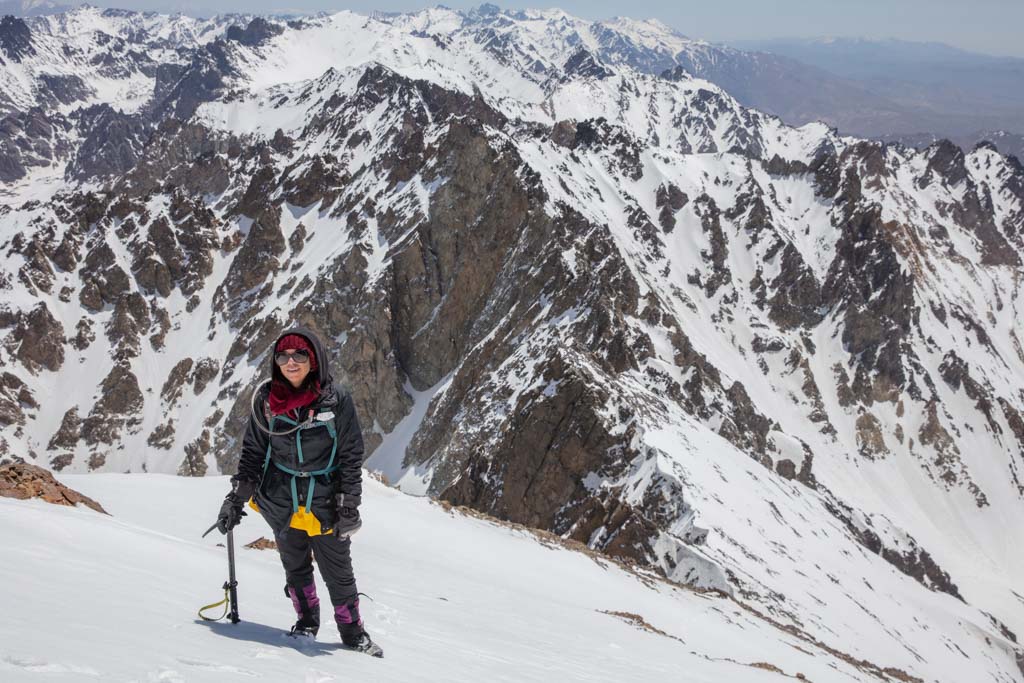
[{"x": 302, "y": 516}]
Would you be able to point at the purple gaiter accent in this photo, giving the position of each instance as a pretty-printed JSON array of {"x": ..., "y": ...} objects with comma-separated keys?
[
  {"x": 307, "y": 598},
  {"x": 343, "y": 615}
]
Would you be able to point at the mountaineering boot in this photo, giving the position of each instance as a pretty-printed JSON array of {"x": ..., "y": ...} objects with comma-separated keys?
[
  {"x": 365, "y": 645},
  {"x": 307, "y": 607},
  {"x": 353, "y": 635},
  {"x": 304, "y": 629}
]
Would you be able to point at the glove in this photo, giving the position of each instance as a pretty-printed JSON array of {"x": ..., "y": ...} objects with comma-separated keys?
[
  {"x": 348, "y": 515},
  {"x": 231, "y": 511}
]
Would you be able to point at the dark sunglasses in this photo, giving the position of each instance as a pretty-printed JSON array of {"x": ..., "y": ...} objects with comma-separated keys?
[{"x": 300, "y": 357}]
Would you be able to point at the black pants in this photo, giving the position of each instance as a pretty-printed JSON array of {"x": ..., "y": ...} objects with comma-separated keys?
[{"x": 297, "y": 550}]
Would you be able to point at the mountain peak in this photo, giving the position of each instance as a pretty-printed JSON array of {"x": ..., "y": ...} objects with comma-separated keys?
[{"x": 584, "y": 64}]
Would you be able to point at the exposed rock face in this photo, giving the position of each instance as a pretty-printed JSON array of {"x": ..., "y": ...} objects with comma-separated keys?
[
  {"x": 798, "y": 299},
  {"x": 583, "y": 64},
  {"x": 62, "y": 89},
  {"x": 104, "y": 280},
  {"x": 68, "y": 434},
  {"x": 37, "y": 340},
  {"x": 15, "y": 39},
  {"x": 23, "y": 481},
  {"x": 670, "y": 199},
  {"x": 15, "y": 397},
  {"x": 536, "y": 472},
  {"x": 112, "y": 145},
  {"x": 185, "y": 155},
  {"x": 130, "y": 321},
  {"x": 162, "y": 436},
  {"x": 202, "y": 80},
  {"x": 878, "y": 297},
  {"x": 194, "y": 464},
  {"x": 257, "y": 32},
  {"x": 206, "y": 370},
  {"x": 120, "y": 402},
  {"x": 258, "y": 256},
  {"x": 30, "y": 139},
  {"x": 84, "y": 336},
  {"x": 436, "y": 272},
  {"x": 869, "y": 436},
  {"x": 171, "y": 390}
]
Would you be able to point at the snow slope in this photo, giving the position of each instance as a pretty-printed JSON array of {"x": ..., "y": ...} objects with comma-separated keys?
[{"x": 115, "y": 598}]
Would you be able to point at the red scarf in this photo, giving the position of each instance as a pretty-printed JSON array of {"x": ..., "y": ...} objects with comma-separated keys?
[{"x": 284, "y": 399}]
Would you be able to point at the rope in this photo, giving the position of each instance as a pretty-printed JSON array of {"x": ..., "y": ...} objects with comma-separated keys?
[{"x": 222, "y": 602}]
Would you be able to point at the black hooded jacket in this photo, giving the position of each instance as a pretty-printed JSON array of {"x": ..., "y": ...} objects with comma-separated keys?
[{"x": 274, "y": 493}]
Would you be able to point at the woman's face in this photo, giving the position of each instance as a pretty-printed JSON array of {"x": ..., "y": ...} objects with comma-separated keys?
[{"x": 294, "y": 371}]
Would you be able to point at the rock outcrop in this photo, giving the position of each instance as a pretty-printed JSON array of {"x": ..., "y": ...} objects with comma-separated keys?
[{"x": 23, "y": 481}]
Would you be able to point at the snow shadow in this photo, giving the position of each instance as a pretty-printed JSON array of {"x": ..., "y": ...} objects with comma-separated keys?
[{"x": 267, "y": 635}]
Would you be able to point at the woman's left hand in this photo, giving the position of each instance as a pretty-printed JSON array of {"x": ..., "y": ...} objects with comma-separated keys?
[{"x": 348, "y": 516}]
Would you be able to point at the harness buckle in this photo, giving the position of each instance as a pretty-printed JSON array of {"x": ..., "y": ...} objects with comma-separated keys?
[{"x": 302, "y": 475}]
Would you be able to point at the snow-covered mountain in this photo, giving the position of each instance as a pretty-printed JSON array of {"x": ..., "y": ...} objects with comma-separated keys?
[
  {"x": 499, "y": 603},
  {"x": 1009, "y": 144},
  {"x": 773, "y": 362},
  {"x": 89, "y": 56}
]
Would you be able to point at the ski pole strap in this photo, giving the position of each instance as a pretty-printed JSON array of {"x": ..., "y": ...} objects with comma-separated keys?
[{"x": 216, "y": 604}]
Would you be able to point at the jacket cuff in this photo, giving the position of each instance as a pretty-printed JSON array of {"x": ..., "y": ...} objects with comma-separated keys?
[
  {"x": 242, "y": 488},
  {"x": 349, "y": 500}
]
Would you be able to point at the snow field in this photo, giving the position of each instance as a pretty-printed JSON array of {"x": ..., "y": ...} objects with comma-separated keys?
[{"x": 453, "y": 597}]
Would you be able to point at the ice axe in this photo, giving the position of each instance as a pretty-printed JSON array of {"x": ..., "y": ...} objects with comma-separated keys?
[{"x": 230, "y": 600}]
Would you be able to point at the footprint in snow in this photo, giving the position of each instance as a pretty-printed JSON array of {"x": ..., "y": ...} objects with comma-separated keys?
[
  {"x": 314, "y": 676},
  {"x": 40, "y": 667},
  {"x": 382, "y": 617},
  {"x": 221, "y": 668}
]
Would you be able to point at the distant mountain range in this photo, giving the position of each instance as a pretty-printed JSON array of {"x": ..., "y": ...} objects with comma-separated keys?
[
  {"x": 904, "y": 91},
  {"x": 891, "y": 90}
]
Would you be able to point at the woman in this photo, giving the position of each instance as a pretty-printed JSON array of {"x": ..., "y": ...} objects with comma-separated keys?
[{"x": 301, "y": 465}]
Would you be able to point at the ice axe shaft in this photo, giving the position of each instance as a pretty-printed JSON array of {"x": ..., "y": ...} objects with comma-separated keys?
[{"x": 232, "y": 584}]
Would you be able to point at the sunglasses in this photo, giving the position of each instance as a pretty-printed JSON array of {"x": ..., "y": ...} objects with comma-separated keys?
[{"x": 300, "y": 357}]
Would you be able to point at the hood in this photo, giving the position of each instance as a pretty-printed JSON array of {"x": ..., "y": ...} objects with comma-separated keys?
[{"x": 322, "y": 365}]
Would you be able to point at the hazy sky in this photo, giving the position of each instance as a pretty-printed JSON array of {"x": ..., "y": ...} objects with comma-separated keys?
[{"x": 990, "y": 26}]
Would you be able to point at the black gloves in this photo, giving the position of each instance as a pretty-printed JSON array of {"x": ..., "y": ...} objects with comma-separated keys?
[
  {"x": 231, "y": 511},
  {"x": 348, "y": 515}
]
